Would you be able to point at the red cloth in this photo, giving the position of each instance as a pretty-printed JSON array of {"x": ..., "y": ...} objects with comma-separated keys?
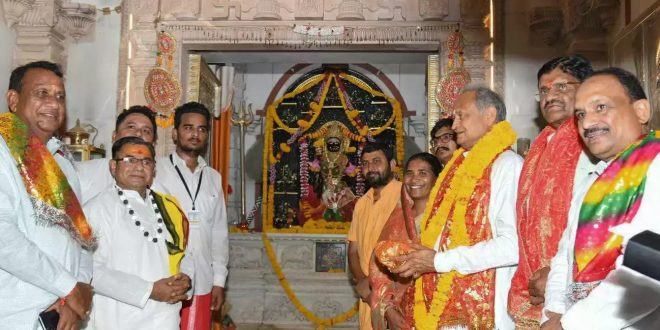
[
  {"x": 545, "y": 191},
  {"x": 389, "y": 290},
  {"x": 196, "y": 315},
  {"x": 477, "y": 309}
]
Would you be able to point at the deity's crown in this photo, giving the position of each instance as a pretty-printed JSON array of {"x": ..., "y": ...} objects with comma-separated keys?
[{"x": 334, "y": 130}]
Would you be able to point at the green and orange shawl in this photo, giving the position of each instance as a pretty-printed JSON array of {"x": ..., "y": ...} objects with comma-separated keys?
[
  {"x": 544, "y": 199},
  {"x": 54, "y": 202},
  {"x": 613, "y": 199}
]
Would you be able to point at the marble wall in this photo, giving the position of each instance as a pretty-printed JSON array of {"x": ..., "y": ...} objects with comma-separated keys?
[
  {"x": 522, "y": 61},
  {"x": 254, "y": 292},
  {"x": 91, "y": 77}
]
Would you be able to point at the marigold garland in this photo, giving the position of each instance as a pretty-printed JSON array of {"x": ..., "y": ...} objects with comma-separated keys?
[
  {"x": 320, "y": 322},
  {"x": 461, "y": 187},
  {"x": 364, "y": 133},
  {"x": 163, "y": 120},
  {"x": 315, "y": 107}
]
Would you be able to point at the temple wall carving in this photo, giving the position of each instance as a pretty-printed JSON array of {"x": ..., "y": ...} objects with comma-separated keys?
[
  {"x": 578, "y": 26},
  {"x": 286, "y": 25},
  {"x": 45, "y": 27}
]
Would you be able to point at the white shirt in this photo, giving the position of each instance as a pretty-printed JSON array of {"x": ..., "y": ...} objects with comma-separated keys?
[
  {"x": 208, "y": 240},
  {"x": 38, "y": 264},
  {"x": 95, "y": 177},
  {"x": 610, "y": 305},
  {"x": 501, "y": 252},
  {"x": 126, "y": 265}
]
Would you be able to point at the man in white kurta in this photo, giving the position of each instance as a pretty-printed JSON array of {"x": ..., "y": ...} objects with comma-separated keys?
[
  {"x": 615, "y": 303},
  {"x": 478, "y": 111},
  {"x": 132, "y": 262},
  {"x": 40, "y": 262},
  {"x": 198, "y": 187},
  {"x": 501, "y": 251},
  {"x": 94, "y": 174},
  {"x": 37, "y": 264}
]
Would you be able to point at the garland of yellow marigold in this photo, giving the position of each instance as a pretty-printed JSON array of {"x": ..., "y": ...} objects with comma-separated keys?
[
  {"x": 316, "y": 108},
  {"x": 272, "y": 119},
  {"x": 320, "y": 322},
  {"x": 461, "y": 187}
]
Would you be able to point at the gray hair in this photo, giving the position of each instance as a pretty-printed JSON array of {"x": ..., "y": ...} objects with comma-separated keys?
[{"x": 486, "y": 98}]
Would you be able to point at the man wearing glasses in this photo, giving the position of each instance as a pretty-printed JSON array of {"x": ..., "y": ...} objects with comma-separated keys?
[
  {"x": 139, "y": 276},
  {"x": 95, "y": 177},
  {"x": 554, "y": 165},
  {"x": 443, "y": 140}
]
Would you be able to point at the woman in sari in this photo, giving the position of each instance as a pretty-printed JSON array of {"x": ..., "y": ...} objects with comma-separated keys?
[{"x": 392, "y": 296}]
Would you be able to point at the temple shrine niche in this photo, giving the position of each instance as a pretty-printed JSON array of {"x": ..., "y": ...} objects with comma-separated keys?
[
  {"x": 311, "y": 121},
  {"x": 314, "y": 138}
]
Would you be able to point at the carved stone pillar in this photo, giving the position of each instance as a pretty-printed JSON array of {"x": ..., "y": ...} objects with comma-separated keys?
[
  {"x": 545, "y": 24},
  {"x": 473, "y": 12},
  {"x": 76, "y": 19},
  {"x": 309, "y": 9},
  {"x": 587, "y": 25},
  {"x": 350, "y": 10},
  {"x": 14, "y": 10},
  {"x": 35, "y": 43},
  {"x": 431, "y": 10},
  {"x": 268, "y": 10},
  {"x": 42, "y": 28}
]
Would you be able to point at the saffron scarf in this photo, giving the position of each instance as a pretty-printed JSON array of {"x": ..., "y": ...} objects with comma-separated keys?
[
  {"x": 544, "y": 199},
  {"x": 176, "y": 224},
  {"x": 457, "y": 213},
  {"x": 54, "y": 202},
  {"x": 613, "y": 199}
]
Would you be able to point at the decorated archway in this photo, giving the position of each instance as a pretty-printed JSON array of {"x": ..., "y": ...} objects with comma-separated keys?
[{"x": 314, "y": 136}]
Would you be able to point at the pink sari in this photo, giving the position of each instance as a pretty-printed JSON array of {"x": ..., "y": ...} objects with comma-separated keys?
[{"x": 387, "y": 289}]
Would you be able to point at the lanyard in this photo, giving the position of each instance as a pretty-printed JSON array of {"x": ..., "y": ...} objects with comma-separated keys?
[{"x": 199, "y": 184}]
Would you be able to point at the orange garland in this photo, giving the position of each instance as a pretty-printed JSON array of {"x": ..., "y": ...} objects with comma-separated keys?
[{"x": 271, "y": 158}]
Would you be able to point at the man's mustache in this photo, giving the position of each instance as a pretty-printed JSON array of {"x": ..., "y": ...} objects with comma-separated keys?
[
  {"x": 589, "y": 131},
  {"x": 554, "y": 102}
]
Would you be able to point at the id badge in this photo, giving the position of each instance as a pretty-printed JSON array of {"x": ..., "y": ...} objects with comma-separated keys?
[{"x": 194, "y": 218}]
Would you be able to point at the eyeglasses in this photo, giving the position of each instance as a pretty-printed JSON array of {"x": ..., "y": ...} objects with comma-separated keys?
[
  {"x": 560, "y": 88},
  {"x": 444, "y": 138},
  {"x": 133, "y": 161}
]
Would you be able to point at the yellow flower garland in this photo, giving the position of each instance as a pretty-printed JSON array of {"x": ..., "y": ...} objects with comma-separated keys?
[
  {"x": 315, "y": 107},
  {"x": 320, "y": 322},
  {"x": 165, "y": 121},
  {"x": 461, "y": 187},
  {"x": 270, "y": 158}
]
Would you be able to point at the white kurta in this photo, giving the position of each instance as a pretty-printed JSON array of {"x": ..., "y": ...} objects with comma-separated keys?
[
  {"x": 501, "y": 252},
  {"x": 95, "y": 177},
  {"x": 614, "y": 304},
  {"x": 38, "y": 264},
  {"x": 126, "y": 265},
  {"x": 208, "y": 241}
]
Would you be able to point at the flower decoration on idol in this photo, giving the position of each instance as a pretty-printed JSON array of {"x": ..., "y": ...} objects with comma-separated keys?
[
  {"x": 304, "y": 168},
  {"x": 359, "y": 178}
]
